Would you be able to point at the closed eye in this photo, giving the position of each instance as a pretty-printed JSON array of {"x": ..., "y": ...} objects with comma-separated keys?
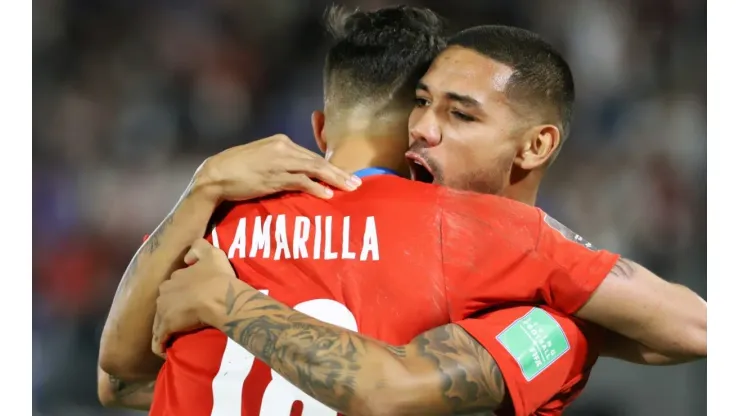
[{"x": 462, "y": 116}]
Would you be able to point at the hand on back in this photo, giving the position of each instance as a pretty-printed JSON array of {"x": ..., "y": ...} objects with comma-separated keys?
[
  {"x": 269, "y": 166},
  {"x": 185, "y": 298}
]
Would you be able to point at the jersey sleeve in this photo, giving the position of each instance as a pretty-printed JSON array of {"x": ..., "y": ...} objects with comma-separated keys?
[
  {"x": 497, "y": 251},
  {"x": 542, "y": 354},
  {"x": 578, "y": 268}
]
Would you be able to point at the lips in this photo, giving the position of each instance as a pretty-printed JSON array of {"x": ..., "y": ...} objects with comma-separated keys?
[{"x": 420, "y": 170}]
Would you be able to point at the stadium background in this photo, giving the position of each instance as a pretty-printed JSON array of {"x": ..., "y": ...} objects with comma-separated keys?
[{"x": 130, "y": 95}]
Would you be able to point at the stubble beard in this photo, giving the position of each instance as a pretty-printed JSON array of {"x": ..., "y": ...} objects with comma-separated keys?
[{"x": 491, "y": 180}]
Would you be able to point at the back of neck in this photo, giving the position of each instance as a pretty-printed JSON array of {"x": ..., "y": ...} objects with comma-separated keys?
[{"x": 355, "y": 153}]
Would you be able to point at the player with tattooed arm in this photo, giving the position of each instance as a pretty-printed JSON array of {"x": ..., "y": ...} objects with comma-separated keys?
[{"x": 393, "y": 259}]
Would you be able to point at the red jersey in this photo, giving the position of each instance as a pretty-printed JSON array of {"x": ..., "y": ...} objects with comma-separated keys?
[
  {"x": 544, "y": 356},
  {"x": 391, "y": 260}
]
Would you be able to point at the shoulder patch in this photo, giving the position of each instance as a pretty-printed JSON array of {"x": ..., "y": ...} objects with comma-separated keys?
[
  {"x": 567, "y": 232},
  {"x": 536, "y": 341}
]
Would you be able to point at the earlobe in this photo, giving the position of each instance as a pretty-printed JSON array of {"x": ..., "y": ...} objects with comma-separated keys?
[
  {"x": 540, "y": 148},
  {"x": 317, "y": 123}
]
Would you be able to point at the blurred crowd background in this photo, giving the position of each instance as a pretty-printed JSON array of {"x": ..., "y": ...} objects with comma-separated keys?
[{"x": 131, "y": 95}]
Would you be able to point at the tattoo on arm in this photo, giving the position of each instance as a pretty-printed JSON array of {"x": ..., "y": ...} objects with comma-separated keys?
[
  {"x": 623, "y": 268},
  {"x": 153, "y": 242},
  {"x": 125, "y": 338},
  {"x": 447, "y": 370},
  {"x": 134, "y": 395},
  {"x": 122, "y": 389},
  {"x": 149, "y": 247},
  {"x": 469, "y": 378}
]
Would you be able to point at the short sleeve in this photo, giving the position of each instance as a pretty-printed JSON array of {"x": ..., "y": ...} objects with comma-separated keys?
[
  {"x": 578, "y": 268},
  {"x": 541, "y": 353},
  {"x": 497, "y": 251}
]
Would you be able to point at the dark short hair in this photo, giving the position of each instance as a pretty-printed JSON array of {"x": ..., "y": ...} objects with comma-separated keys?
[
  {"x": 379, "y": 54},
  {"x": 541, "y": 75}
]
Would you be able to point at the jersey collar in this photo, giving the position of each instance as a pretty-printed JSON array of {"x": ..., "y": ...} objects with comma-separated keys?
[{"x": 362, "y": 173}]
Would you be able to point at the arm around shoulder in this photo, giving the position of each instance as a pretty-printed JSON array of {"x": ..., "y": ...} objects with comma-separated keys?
[
  {"x": 621, "y": 295},
  {"x": 665, "y": 317},
  {"x": 125, "y": 345},
  {"x": 442, "y": 371}
]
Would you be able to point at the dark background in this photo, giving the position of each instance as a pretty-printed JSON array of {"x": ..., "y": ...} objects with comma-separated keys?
[{"x": 131, "y": 95}]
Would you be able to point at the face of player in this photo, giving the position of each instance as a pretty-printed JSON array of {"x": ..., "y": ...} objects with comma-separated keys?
[{"x": 463, "y": 131}]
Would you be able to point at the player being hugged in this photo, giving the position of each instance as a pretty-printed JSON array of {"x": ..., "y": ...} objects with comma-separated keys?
[{"x": 424, "y": 328}]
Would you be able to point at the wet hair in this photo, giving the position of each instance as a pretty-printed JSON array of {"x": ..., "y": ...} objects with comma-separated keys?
[{"x": 378, "y": 57}]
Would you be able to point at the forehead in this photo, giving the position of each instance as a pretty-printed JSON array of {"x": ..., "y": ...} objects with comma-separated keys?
[{"x": 467, "y": 72}]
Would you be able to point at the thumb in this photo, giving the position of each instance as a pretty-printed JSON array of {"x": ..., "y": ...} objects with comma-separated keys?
[{"x": 198, "y": 251}]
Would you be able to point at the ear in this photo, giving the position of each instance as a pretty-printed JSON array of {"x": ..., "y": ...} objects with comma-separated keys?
[
  {"x": 317, "y": 123},
  {"x": 539, "y": 147}
]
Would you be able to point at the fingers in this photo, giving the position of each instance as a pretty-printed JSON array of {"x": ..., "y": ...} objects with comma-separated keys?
[
  {"x": 318, "y": 168},
  {"x": 158, "y": 344},
  {"x": 157, "y": 347},
  {"x": 302, "y": 183},
  {"x": 200, "y": 248},
  {"x": 301, "y": 160}
]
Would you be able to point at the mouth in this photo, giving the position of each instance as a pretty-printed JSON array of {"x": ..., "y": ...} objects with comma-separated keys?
[{"x": 420, "y": 170}]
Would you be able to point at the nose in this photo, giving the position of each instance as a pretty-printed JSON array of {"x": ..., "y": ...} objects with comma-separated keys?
[{"x": 425, "y": 128}]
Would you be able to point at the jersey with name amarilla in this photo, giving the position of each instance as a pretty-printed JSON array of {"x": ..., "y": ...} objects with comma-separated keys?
[{"x": 385, "y": 260}]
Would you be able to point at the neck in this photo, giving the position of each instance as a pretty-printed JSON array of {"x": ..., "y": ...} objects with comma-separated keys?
[
  {"x": 524, "y": 188},
  {"x": 355, "y": 153}
]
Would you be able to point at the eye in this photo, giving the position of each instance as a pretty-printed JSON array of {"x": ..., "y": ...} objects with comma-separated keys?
[
  {"x": 421, "y": 102},
  {"x": 462, "y": 116}
]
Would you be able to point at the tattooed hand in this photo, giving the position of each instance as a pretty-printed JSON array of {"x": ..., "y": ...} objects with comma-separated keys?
[{"x": 189, "y": 292}]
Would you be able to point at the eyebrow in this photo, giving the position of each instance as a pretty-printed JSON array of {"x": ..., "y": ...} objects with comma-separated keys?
[{"x": 465, "y": 100}]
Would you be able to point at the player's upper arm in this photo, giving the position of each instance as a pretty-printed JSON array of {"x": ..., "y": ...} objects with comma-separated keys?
[
  {"x": 667, "y": 318},
  {"x": 620, "y": 295},
  {"x": 538, "y": 352},
  {"x": 445, "y": 371}
]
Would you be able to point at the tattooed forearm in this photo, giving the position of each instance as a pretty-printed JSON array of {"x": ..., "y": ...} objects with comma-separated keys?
[
  {"x": 153, "y": 242},
  {"x": 623, "y": 268},
  {"x": 319, "y": 359},
  {"x": 125, "y": 347},
  {"x": 151, "y": 245},
  {"x": 443, "y": 371}
]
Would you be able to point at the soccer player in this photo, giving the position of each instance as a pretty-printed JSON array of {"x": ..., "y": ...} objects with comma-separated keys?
[{"x": 368, "y": 246}]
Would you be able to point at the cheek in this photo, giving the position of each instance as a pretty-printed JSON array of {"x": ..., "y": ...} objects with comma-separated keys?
[
  {"x": 470, "y": 148},
  {"x": 478, "y": 164},
  {"x": 454, "y": 158},
  {"x": 499, "y": 149}
]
